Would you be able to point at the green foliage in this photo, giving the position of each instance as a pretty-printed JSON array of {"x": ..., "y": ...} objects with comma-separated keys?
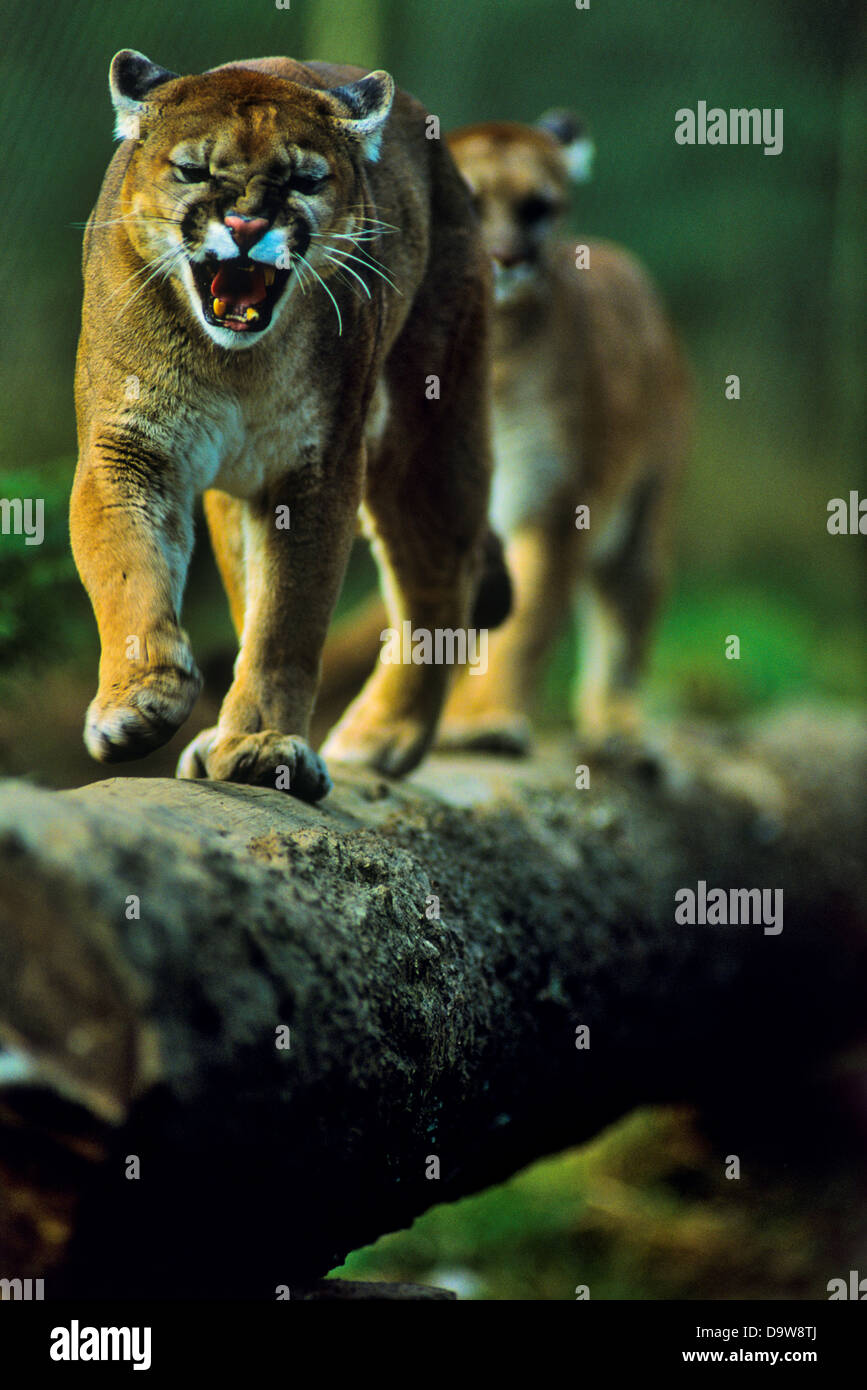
[
  {"x": 36, "y": 582},
  {"x": 743, "y": 244},
  {"x": 784, "y": 654},
  {"x": 643, "y": 1212}
]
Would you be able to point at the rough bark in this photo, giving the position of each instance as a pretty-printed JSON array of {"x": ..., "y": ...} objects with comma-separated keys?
[{"x": 411, "y": 1035}]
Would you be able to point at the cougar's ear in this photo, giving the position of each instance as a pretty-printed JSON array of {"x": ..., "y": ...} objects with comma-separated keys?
[
  {"x": 130, "y": 78},
  {"x": 569, "y": 132},
  {"x": 363, "y": 110}
]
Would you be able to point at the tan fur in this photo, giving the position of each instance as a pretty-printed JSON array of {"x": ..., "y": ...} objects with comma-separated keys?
[
  {"x": 590, "y": 407},
  {"x": 284, "y": 420}
]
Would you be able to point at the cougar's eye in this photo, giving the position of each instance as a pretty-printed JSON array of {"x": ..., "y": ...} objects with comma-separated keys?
[
  {"x": 308, "y": 183},
  {"x": 535, "y": 208},
  {"x": 192, "y": 173}
]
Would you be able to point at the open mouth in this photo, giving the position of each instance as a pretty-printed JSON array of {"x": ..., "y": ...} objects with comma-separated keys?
[{"x": 239, "y": 294}]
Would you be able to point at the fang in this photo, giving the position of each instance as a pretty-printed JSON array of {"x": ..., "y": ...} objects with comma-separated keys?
[
  {"x": 270, "y": 275},
  {"x": 219, "y": 306},
  {"x": 251, "y": 315}
]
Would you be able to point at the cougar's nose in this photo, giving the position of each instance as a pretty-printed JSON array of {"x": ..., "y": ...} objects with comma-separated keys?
[{"x": 246, "y": 230}]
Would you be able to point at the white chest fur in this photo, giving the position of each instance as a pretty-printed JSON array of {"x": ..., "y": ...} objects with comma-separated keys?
[{"x": 530, "y": 464}]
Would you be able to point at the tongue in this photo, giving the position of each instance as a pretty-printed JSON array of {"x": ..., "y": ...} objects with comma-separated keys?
[{"x": 239, "y": 287}]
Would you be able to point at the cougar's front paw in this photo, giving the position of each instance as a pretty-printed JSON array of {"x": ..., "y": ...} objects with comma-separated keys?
[
  {"x": 266, "y": 759},
  {"x": 140, "y": 713},
  {"x": 393, "y": 747},
  {"x": 509, "y": 734}
]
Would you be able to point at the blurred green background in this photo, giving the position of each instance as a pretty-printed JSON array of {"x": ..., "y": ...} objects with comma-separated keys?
[{"x": 761, "y": 260}]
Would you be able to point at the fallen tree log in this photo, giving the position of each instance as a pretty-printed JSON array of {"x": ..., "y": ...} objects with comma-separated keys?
[{"x": 236, "y": 1029}]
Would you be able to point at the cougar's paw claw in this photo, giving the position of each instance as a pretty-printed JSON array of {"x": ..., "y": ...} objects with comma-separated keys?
[
  {"x": 142, "y": 715},
  {"x": 266, "y": 759},
  {"x": 192, "y": 764},
  {"x": 511, "y": 735}
]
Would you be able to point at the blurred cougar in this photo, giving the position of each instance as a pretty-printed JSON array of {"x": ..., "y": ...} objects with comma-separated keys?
[
  {"x": 590, "y": 430},
  {"x": 590, "y": 436}
]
